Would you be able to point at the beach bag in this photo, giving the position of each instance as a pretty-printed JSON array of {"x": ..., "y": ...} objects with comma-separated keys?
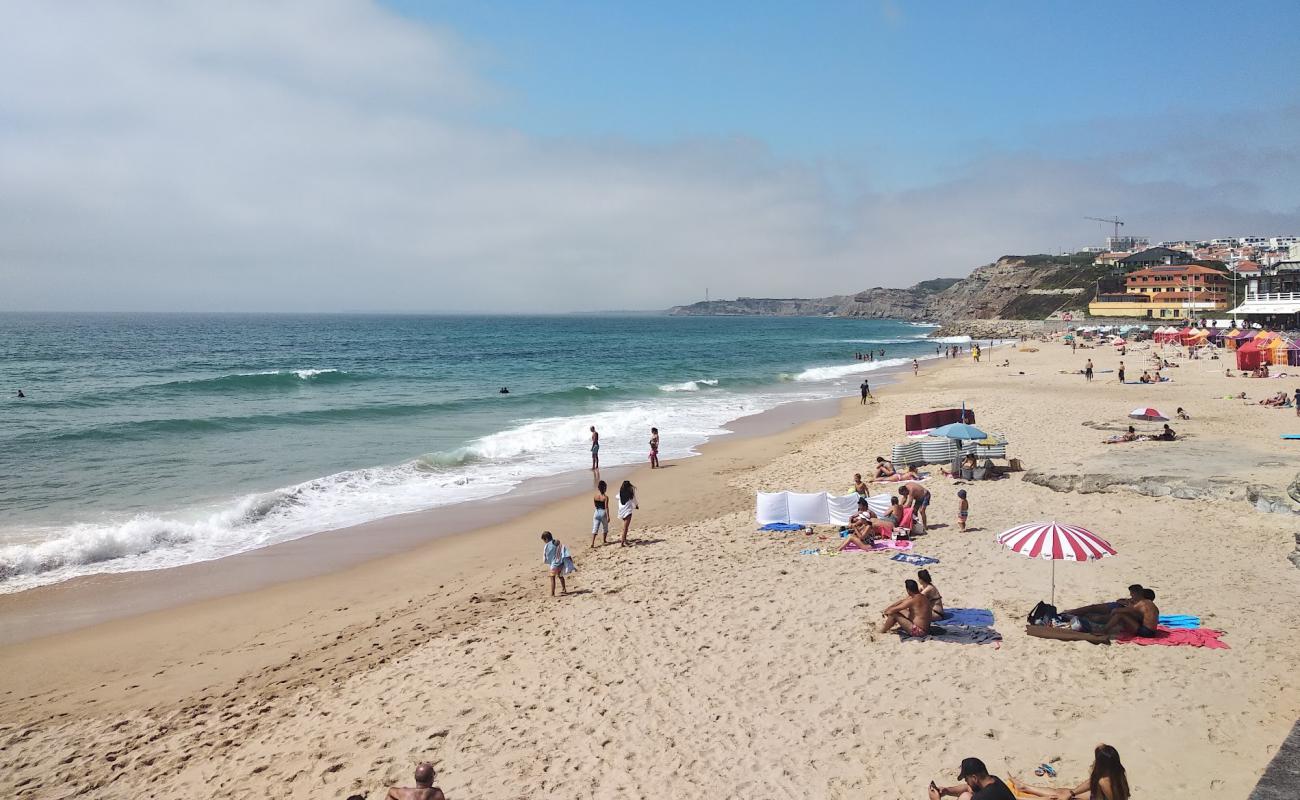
[{"x": 1043, "y": 614}]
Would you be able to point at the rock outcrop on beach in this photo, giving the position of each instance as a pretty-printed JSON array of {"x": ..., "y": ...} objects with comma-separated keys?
[{"x": 1011, "y": 288}]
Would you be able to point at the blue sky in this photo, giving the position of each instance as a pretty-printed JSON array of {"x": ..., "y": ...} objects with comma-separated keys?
[
  {"x": 906, "y": 90},
  {"x": 393, "y": 155}
]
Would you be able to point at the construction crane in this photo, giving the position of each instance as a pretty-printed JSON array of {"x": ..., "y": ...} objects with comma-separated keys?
[{"x": 1116, "y": 222}]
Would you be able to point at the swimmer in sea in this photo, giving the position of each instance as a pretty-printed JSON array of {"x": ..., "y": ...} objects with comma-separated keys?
[{"x": 20, "y": 394}]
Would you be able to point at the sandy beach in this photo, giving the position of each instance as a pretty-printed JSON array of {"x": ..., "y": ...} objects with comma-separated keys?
[{"x": 713, "y": 660}]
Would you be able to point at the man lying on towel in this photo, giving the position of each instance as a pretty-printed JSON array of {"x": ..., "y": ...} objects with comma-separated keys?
[
  {"x": 1135, "y": 614},
  {"x": 911, "y": 615}
]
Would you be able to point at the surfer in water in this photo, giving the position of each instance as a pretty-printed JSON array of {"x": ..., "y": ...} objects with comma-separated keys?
[{"x": 20, "y": 394}]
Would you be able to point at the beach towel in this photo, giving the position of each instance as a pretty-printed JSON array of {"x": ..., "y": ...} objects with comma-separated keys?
[
  {"x": 944, "y": 631},
  {"x": 1198, "y": 637},
  {"x": 780, "y": 526},
  {"x": 913, "y": 560},
  {"x": 1179, "y": 621},
  {"x": 878, "y": 546},
  {"x": 969, "y": 617},
  {"x": 555, "y": 555}
]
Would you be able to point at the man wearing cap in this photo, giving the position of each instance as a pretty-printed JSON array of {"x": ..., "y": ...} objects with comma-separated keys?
[{"x": 977, "y": 784}]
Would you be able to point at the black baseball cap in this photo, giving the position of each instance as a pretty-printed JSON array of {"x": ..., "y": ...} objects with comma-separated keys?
[{"x": 972, "y": 767}]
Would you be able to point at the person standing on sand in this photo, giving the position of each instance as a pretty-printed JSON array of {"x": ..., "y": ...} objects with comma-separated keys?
[
  {"x": 595, "y": 449},
  {"x": 963, "y": 509},
  {"x": 866, "y": 391},
  {"x": 626, "y": 505},
  {"x": 1087, "y": 370},
  {"x": 916, "y": 368},
  {"x": 600, "y": 520},
  {"x": 654, "y": 448},
  {"x": 557, "y": 558},
  {"x": 423, "y": 789},
  {"x": 1297, "y": 402},
  {"x": 1121, "y": 372},
  {"x": 919, "y": 496}
]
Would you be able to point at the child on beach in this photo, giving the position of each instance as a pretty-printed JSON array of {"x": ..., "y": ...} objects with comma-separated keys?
[
  {"x": 556, "y": 557},
  {"x": 963, "y": 509}
]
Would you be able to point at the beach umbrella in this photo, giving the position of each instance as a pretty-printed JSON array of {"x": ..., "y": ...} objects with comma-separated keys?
[
  {"x": 1148, "y": 415},
  {"x": 959, "y": 430},
  {"x": 1119, "y": 341},
  {"x": 1055, "y": 542}
]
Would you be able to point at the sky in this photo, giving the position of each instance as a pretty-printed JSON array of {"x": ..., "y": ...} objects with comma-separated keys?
[{"x": 549, "y": 157}]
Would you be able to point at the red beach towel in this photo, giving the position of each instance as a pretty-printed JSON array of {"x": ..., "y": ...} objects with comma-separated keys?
[{"x": 1186, "y": 637}]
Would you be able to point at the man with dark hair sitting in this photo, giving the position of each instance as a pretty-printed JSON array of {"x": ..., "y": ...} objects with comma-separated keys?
[{"x": 976, "y": 784}]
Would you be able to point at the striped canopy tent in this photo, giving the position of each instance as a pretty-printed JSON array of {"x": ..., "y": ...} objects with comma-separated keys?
[
  {"x": 1164, "y": 335},
  {"x": 1239, "y": 338},
  {"x": 1282, "y": 352},
  {"x": 1250, "y": 354},
  {"x": 1053, "y": 541}
]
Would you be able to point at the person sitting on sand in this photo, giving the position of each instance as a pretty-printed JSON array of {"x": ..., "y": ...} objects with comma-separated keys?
[
  {"x": 1166, "y": 435},
  {"x": 976, "y": 784},
  {"x": 968, "y": 461},
  {"x": 884, "y": 467},
  {"x": 862, "y": 527},
  {"x": 1102, "y": 610},
  {"x": 931, "y": 592},
  {"x": 423, "y": 789},
  {"x": 911, "y": 614},
  {"x": 1138, "y": 619},
  {"x": 919, "y": 498},
  {"x": 1107, "y": 780},
  {"x": 1181, "y": 414}
]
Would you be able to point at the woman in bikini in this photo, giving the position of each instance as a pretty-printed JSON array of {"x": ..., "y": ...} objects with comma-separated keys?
[
  {"x": 931, "y": 591},
  {"x": 1108, "y": 781},
  {"x": 600, "y": 520},
  {"x": 884, "y": 467}
]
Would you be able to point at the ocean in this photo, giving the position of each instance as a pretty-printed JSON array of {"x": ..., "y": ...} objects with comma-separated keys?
[{"x": 153, "y": 440}]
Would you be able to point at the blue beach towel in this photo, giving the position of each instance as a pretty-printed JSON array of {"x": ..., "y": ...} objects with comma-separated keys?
[
  {"x": 1183, "y": 621},
  {"x": 969, "y": 617},
  {"x": 781, "y": 526},
  {"x": 916, "y": 561}
]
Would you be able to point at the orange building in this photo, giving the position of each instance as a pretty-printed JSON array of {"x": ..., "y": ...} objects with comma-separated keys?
[{"x": 1172, "y": 291}]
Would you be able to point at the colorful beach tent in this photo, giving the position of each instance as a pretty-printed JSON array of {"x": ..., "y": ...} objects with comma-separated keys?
[{"x": 1250, "y": 355}]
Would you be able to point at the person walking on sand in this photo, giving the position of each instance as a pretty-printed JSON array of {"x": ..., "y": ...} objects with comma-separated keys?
[
  {"x": 654, "y": 448},
  {"x": 595, "y": 449},
  {"x": 626, "y": 505},
  {"x": 423, "y": 789},
  {"x": 866, "y": 391},
  {"x": 1087, "y": 370},
  {"x": 558, "y": 560},
  {"x": 600, "y": 520}
]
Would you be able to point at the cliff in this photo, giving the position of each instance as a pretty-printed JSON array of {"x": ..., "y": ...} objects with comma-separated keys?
[{"x": 1013, "y": 287}]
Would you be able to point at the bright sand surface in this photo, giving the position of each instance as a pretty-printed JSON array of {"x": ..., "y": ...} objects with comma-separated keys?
[{"x": 712, "y": 660}]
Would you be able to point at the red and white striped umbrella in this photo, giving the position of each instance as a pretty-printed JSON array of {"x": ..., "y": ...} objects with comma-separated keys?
[
  {"x": 1055, "y": 542},
  {"x": 1149, "y": 414}
]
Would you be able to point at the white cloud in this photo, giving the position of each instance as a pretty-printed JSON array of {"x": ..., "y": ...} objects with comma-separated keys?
[{"x": 325, "y": 156}]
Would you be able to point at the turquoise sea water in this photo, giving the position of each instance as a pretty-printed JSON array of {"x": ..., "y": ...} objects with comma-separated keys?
[{"x": 148, "y": 441}]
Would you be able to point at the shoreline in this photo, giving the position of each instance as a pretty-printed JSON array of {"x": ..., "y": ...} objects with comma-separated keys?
[
  {"x": 97, "y": 598},
  {"x": 712, "y": 660}
]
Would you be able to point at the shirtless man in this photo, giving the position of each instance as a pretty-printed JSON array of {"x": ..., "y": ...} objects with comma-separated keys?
[
  {"x": 911, "y": 614},
  {"x": 1101, "y": 611},
  {"x": 859, "y": 486},
  {"x": 919, "y": 496},
  {"x": 423, "y": 789},
  {"x": 1138, "y": 619}
]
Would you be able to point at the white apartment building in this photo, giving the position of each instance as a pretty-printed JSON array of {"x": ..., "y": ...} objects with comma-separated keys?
[
  {"x": 1283, "y": 242},
  {"x": 1253, "y": 241}
]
